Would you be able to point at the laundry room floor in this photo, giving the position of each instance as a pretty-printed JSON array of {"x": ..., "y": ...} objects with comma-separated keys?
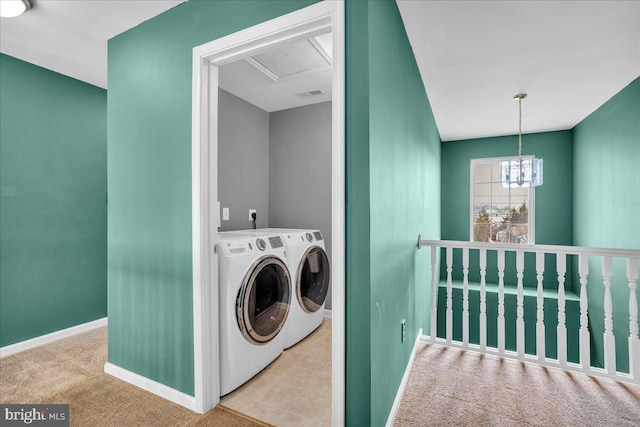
[{"x": 294, "y": 390}]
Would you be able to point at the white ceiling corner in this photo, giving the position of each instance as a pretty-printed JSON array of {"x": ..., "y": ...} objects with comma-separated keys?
[
  {"x": 70, "y": 36},
  {"x": 473, "y": 56}
]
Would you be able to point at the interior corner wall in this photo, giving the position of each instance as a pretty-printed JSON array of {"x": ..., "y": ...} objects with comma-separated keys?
[
  {"x": 404, "y": 156},
  {"x": 149, "y": 180},
  {"x": 243, "y": 162},
  {"x": 553, "y": 204},
  {"x": 300, "y": 170},
  {"x": 53, "y": 209},
  {"x": 606, "y": 199},
  {"x": 357, "y": 217}
]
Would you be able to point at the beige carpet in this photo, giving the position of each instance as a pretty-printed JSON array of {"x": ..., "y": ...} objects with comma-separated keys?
[
  {"x": 450, "y": 387},
  {"x": 71, "y": 371}
]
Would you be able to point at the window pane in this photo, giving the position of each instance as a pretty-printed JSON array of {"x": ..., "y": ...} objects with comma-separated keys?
[
  {"x": 498, "y": 213},
  {"x": 482, "y": 189},
  {"x": 482, "y": 172},
  {"x": 481, "y": 232}
]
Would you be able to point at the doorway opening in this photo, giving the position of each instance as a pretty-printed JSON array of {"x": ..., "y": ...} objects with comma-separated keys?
[{"x": 261, "y": 49}]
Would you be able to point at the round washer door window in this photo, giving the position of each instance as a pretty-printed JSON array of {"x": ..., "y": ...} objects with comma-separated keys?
[
  {"x": 264, "y": 299},
  {"x": 313, "y": 279}
]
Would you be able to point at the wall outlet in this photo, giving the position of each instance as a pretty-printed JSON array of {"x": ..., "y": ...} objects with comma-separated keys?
[
  {"x": 403, "y": 327},
  {"x": 252, "y": 211},
  {"x": 225, "y": 214}
]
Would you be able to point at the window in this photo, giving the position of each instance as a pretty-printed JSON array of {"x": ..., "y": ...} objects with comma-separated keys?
[{"x": 499, "y": 214}]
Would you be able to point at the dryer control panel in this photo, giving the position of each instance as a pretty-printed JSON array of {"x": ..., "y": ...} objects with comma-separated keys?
[{"x": 242, "y": 246}]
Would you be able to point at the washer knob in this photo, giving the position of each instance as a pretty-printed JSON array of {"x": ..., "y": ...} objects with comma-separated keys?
[
  {"x": 309, "y": 237},
  {"x": 261, "y": 244}
]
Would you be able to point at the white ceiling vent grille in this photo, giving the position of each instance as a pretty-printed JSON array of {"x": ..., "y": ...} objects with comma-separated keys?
[
  {"x": 296, "y": 59},
  {"x": 313, "y": 92}
]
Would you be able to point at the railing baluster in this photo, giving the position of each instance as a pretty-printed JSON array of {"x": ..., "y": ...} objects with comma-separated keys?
[
  {"x": 465, "y": 296},
  {"x": 501, "y": 301},
  {"x": 520, "y": 309},
  {"x": 540, "y": 333},
  {"x": 561, "y": 263},
  {"x": 449, "y": 321},
  {"x": 561, "y": 253},
  {"x": 434, "y": 295},
  {"x": 483, "y": 299},
  {"x": 609, "y": 339},
  {"x": 634, "y": 341},
  {"x": 585, "y": 337}
]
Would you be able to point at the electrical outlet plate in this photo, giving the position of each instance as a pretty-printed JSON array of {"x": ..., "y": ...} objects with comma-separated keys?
[{"x": 251, "y": 211}]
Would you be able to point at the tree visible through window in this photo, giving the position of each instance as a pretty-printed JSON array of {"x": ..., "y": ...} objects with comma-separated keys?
[{"x": 498, "y": 214}]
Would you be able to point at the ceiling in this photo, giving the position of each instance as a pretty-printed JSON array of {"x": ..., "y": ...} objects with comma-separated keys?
[
  {"x": 70, "y": 36},
  {"x": 569, "y": 56},
  {"x": 292, "y": 75}
]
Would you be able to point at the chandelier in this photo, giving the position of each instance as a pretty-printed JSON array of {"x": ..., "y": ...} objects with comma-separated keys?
[{"x": 521, "y": 172}]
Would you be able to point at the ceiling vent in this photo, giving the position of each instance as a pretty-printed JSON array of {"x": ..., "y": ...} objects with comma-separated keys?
[
  {"x": 295, "y": 59},
  {"x": 313, "y": 92}
]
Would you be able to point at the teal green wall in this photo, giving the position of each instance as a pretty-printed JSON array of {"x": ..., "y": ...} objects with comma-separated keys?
[
  {"x": 553, "y": 212},
  {"x": 606, "y": 201},
  {"x": 149, "y": 180},
  {"x": 53, "y": 213},
  {"x": 393, "y": 194},
  {"x": 357, "y": 216}
]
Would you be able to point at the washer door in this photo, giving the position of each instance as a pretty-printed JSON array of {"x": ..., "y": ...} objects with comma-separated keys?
[
  {"x": 264, "y": 299},
  {"x": 312, "y": 283}
]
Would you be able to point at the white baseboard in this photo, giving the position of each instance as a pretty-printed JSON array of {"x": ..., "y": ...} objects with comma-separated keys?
[
  {"x": 327, "y": 313},
  {"x": 53, "y": 336},
  {"x": 403, "y": 383},
  {"x": 151, "y": 386}
]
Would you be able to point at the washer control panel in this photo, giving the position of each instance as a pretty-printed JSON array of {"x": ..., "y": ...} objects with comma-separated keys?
[{"x": 261, "y": 244}]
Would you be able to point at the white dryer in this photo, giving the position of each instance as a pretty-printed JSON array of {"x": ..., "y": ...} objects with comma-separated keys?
[
  {"x": 255, "y": 300},
  {"x": 311, "y": 273}
]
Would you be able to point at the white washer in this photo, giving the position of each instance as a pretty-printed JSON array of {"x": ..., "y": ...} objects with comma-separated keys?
[
  {"x": 309, "y": 266},
  {"x": 255, "y": 300}
]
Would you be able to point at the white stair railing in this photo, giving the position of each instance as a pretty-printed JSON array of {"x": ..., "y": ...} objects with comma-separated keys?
[{"x": 560, "y": 254}]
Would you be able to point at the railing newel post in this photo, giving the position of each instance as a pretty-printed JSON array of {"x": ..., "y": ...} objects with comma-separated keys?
[
  {"x": 520, "y": 302},
  {"x": 465, "y": 297},
  {"x": 501, "y": 302},
  {"x": 561, "y": 264},
  {"x": 483, "y": 299},
  {"x": 434, "y": 294},
  {"x": 540, "y": 332},
  {"x": 585, "y": 336},
  {"x": 449, "y": 320},
  {"x": 634, "y": 340}
]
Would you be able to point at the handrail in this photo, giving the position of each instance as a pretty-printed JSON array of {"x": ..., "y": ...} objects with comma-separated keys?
[
  {"x": 584, "y": 281},
  {"x": 514, "y": 247}
]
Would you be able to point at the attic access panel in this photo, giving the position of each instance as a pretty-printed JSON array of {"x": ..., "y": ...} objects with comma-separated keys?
[{"x": 295, "y": 59}]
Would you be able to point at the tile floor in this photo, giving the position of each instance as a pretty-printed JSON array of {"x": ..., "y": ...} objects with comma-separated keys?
[{"x": 295, "y": 390}]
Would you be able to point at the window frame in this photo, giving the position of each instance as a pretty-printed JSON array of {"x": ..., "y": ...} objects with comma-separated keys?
[{"x": 531, "y": 208}]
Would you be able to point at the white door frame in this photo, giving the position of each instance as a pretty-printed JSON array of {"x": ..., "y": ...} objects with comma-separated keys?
[{"x": 205, "y": 212}]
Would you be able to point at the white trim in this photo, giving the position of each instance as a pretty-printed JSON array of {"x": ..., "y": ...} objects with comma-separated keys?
[
  {"x": 304, "y": 23},
  {"x": 327, "y": 313},
  {"x": 337, "y": 219},
  {"x": 403, "y": 384},
  {"x": 8, "y": 350},
  {"x": 532, "y": 198},
  {"x": 171, "y": 394}
]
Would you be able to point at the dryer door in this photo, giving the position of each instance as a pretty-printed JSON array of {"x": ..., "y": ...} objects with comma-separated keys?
[
  {"x": 312, "y": 283},
  {"x": 264, "y": 299}
]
